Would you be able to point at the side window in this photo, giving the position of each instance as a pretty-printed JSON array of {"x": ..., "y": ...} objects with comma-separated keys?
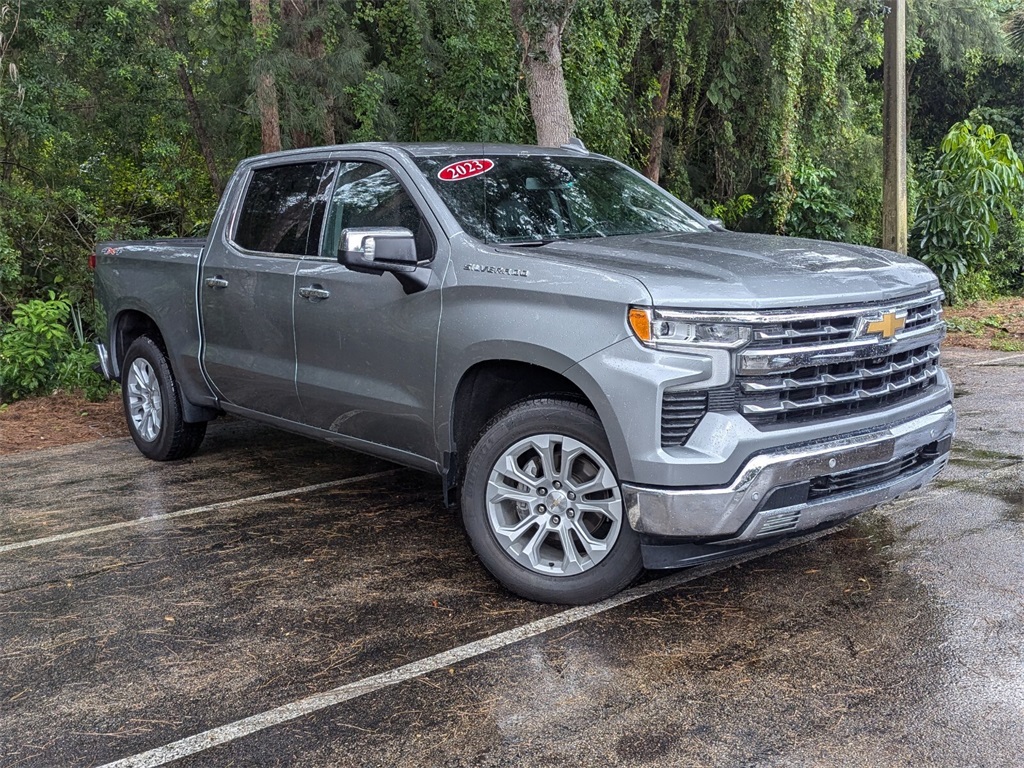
[
  {"x": 369, "y": 195},
  {"x": 283, "y": 209}
]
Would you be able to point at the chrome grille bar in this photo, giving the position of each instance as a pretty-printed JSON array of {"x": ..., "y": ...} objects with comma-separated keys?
[
  {"x": 819, "y": 401},
  {"x": 818, "y": 365},
  {"x": 887, "y": 369}
]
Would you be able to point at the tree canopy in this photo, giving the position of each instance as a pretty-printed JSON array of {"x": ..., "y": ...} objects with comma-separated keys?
[{"x": 123, "y": 118}]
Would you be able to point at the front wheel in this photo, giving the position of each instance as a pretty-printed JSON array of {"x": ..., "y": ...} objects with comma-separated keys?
[
  {"x": 152, "y": 405},
  {"x": 542, "y": 506}
]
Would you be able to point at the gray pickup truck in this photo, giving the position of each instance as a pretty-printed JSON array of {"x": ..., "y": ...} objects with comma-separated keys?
[{"x": 604, "y": 379}]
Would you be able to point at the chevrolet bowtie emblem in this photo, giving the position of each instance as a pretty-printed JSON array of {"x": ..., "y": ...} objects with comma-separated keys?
[{"x": 888, "y": 325}]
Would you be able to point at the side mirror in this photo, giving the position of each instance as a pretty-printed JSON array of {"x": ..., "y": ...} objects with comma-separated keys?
[{"x": 378, "y": 249}]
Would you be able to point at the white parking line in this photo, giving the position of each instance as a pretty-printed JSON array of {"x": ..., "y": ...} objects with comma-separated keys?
[
  {"x": 193, "y": 511},
  {"x": 227, "y": 733}
]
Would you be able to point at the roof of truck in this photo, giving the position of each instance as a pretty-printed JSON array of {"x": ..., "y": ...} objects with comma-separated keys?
[{"x": 427, "y": 149}]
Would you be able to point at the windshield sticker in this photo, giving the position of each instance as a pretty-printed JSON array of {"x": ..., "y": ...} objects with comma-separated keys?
[{"x": 465, "y": 169}]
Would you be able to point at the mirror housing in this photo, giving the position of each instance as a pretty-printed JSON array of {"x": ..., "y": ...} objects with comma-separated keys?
[{"x": 378, "y": 249}]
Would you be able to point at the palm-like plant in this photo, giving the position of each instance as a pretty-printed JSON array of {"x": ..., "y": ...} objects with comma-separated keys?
[{"x": 1013, "y": 25}]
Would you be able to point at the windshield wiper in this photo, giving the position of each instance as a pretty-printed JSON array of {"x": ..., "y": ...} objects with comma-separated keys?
[{"x": 533, "y": 243}]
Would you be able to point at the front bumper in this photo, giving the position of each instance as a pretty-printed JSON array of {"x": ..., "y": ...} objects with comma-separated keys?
[{"x": 797, "y": 488}]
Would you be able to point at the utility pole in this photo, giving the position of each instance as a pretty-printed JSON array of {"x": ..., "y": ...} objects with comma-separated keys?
[{"x": 894, "y": 122}]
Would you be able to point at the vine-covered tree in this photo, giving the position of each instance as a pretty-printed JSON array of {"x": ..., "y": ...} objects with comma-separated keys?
[
  {"x": 539, "y": 26},
  {"x": 263, "y": 74}
]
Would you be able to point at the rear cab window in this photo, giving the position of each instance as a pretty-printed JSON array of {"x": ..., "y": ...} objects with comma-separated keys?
[{"x": 284, "y": 208}]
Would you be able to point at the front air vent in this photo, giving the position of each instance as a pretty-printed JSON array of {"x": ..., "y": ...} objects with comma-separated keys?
[
  {"x": 779, "y": 522},
  {"x": 681, "y": 412}
]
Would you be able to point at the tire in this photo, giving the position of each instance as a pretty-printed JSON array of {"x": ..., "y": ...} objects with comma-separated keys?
[
  {"x": 152, "y": 404},
  {"x": 527, "y": 515}
]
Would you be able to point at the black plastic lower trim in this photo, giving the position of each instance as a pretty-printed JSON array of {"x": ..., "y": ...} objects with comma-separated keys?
[{"x": 660, "y": 554}]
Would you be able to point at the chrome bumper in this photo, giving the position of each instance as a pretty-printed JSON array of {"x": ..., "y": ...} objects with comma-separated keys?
[{"x": 769, "y": 498}]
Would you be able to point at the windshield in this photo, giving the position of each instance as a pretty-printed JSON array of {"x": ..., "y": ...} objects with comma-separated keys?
[{"x": 510, "y": 199}]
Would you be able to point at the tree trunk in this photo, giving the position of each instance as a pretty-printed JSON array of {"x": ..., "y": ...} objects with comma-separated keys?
[
  {"x": 313, "y": 48},
  {"x": 540, "y": 35},
  {"x": 195, "y": 116},
  {"x": 660, "y": 108},
  {"x": 270, "y": 123},
  {"x": 266, "y": 88}
]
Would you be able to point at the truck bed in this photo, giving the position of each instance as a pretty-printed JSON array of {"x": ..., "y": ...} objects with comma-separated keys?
[{"x": 156, "y": 278}]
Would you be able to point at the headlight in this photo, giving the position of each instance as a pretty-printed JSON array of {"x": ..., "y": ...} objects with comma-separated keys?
[{"x": 668, "y": 330}]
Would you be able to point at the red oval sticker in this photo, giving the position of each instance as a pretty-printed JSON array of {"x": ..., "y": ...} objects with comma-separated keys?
[{"x": 465, "y": 169}]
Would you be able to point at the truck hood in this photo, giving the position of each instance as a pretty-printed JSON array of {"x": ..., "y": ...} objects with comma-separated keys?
[{"x": 734, "y": 270}]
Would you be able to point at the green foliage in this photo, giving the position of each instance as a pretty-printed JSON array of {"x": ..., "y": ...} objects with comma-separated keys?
[
  {"x": 1013, "y": 23},
  {"x": 75, "y": 372},
  {"x": 816, "y": 209},
  {"x": 1006, "y": 259},
  {"x": 976, "y": 176},
  {"x": 976, "y": 285},
  {"x": 31, "y": 345},
  {"x": 439, "y": 71},
  {"x": 38, "y": 352},
  {"x": 10, "y": 262},
  {"x": 599, "y": 53},
  {"x": 730, "y": 212}
]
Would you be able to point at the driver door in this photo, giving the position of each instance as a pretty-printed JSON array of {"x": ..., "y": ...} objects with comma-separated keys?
[{"x": 365, "y": 350}]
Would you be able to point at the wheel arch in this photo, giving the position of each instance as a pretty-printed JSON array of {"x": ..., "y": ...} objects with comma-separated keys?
[
  {"x": 489, "y": 386},
  {"x": 128, "y": 325},
  {"x": 131, "y": 323}
]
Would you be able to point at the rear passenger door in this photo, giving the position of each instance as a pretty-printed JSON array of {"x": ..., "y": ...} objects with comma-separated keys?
[{"x": 247, "y": 287}]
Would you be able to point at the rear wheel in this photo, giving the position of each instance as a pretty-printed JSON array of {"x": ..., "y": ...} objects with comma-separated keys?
[
  {"x": 152, "y": 404},
  {"x": 542, "y": 506}
]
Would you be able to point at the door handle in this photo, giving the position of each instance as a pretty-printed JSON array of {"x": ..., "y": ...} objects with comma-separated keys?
[
  {"x": 314, "y": 293},
  {"x": 216, "y": 282}
]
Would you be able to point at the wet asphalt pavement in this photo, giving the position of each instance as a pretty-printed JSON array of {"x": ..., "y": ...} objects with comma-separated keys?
[{"x": 278, "y": 569}]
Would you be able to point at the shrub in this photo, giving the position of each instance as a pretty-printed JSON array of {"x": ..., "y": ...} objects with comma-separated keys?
[
  {"x": 817, "y": 210},
  {"x": 731, "y": 212},
  {"x": 973, "y": 180},
  {"x": 38, "y": 353},
  {"x": 972, "y": 286}
]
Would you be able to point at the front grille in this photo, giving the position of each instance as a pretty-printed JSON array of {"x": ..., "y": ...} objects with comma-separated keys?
[
  {"x": 819, "y": 365},
  {"x": 681, "y": 411},
  {"x": 839, "y": 389},
  {"x": 859, "y": 479},
  {"x": 793, "y": 332}
]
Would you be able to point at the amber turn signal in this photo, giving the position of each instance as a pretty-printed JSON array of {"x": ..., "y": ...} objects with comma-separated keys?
[{"x": 640, "y": 322}]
